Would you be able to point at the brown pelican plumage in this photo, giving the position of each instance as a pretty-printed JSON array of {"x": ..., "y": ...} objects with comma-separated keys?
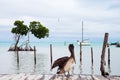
[{"x": 65, "y": 64}]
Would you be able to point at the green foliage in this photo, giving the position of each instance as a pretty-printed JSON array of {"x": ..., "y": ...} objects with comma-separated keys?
[
  {"x": 38, "y": 30},
  {"x": 35, "y": 27},
  {"x": 20, "y": 28}
]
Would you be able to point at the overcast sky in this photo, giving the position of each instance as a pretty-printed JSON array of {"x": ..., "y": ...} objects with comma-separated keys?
[{"x": 63, "y": 18}]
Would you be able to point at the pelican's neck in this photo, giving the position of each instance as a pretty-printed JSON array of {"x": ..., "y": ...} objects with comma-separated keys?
[
  {"x": 72, "y": 52},
  {"x": 71, "y": 49}
]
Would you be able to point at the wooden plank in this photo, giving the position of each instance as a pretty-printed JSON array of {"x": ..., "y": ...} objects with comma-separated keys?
[
  {"x": 24, "y": 77},
  {"x": 38, "y": 77},
  {"x": 99, "y": 77},
  {"x": 85, "y": 77},
  {"x": 74, "y": 77},
  {"x": 47, "y": 77},
  {"x": 56, "y": 77},
  {"x": 11, "y": 76},
  {"x": 31, "y": 77},
  {"x": 113, "y": 77},
  {"x": 95, "y": 78},
  {"x": 5, "y": 77},
  {"x": 18, "y": 76}
]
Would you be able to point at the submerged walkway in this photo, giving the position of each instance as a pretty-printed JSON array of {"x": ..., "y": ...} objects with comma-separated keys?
[{"x": 23, "y": 76}]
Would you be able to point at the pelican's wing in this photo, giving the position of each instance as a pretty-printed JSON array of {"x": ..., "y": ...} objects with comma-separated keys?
[{"x": 60, "y": 62}]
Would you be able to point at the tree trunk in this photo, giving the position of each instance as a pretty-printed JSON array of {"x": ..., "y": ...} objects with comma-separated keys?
[{"x": 17, "y": 41}]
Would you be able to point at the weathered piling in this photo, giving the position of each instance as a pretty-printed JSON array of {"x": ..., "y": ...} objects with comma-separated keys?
[
  {"x": 34, "y": 55},
  {"x": 109, "y": 69},
  {"x": 108, "y": 56},
  {"x": 51, "y": 54},
  {"x": 80, "y": 53},
  {"x": 103, "y": 55},
  {"x": 92, "y": 56}
]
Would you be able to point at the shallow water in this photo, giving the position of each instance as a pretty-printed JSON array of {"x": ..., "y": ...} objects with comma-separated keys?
[{"x": 8, "y": 61}]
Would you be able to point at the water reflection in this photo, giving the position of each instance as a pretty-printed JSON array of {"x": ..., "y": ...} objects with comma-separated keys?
[
  {"x": 109, "y": 69},
  {"x": 92, "y": 69},
  {"x": 26, "y": 63},
  {"x": 81, "y": 69},
  {"x": 34, "y": 67},
  {"x": 18, "y": 68}
]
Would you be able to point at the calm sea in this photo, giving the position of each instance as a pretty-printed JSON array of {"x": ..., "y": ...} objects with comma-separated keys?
[{"x": 8, "y": 60}]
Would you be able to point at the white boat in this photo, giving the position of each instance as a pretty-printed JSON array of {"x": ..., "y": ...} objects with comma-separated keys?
[{"x": 84, "y": 42}]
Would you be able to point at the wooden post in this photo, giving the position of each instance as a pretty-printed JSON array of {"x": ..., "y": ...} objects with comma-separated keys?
[
  {"x": 108, "y": 56},
  {"x": 34, "y": 55},
  {"x": 17, "y": 56},
  {"x": 109, "y": 69},
  {"x": 103, "y": 55},
  {"x": 92, "y": 56},
  {"x": 80, "y": 53},
  {"x": 51, "y": 54}
]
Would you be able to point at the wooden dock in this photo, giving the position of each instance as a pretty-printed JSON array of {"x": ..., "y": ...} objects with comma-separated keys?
[{"x": 23, "y": 76}]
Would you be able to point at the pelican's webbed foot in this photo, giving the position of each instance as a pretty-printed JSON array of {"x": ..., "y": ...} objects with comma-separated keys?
[{"x": 67, "y": 75}]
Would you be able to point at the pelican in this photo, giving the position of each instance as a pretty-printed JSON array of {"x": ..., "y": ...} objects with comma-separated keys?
[{"x": 65, "y": 64}]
